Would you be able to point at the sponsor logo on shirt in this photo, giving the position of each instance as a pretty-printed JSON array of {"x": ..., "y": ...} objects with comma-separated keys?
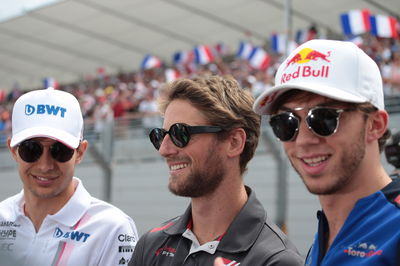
[
  {"x": 166, "y": 251},
  {"x": 125, "y": 248},
  {"x": 6, "y": 246},
  {"x": 123, "y": 261},
  {"x": 73, "y": 235},
  {"x": 363, "y": 250},
  {"x": 230, "y": 262},
  {"x": 8, "y": 234},
  {"x": 126, "y": 238},
  {"x": 9, "y": 224}
]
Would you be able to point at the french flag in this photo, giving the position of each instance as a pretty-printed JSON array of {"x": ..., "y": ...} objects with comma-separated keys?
[
  {"x": 50, "y": 83},
  {"x": 150, "y": 61},
  {"x": 355, "y": 22},
  {"x": 245, "y": 49},
  {"x": 259, "y": 59},
  {"x": 384, "y": 26},
  {"x": 203, "y": 55},
  {"x": 171, "y": 74},
  {"x": 303, "y": 36},
  {"x": 278, "y": 43},
  {"x": 182, "y": 57}
]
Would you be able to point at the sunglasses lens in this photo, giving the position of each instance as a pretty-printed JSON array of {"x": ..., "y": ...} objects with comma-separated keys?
[
  {"x": 323, "y": 121},
  {"x": 61, "y": 152},
  {"x": 156, "y": 137},
  {"x": 30, "y": 151},
  {"x": 179, "y": 135},
  {"x": 284, "y": 126}
]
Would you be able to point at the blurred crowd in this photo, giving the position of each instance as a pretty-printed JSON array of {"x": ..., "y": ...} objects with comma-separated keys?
[{"x": 134, "y": 95}]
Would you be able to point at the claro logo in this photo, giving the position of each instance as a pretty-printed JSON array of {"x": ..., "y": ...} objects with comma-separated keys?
[
  {"x": 45, "y": 109},
  {"x": 73, "y": 235}
]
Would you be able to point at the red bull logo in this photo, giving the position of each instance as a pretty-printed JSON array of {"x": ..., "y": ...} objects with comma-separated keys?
[{"x": 304, "y": 56}]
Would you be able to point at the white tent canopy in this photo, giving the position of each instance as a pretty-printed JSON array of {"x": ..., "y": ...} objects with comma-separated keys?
[{"x": 72, "y": 38}]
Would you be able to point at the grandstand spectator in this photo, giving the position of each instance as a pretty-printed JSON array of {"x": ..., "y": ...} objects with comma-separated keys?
[
  {"x": 149, "y": 113},
  {"x": 391, "y": 74},
  {"x": 54, "y": 220},
  {"x": 224, "y": 218},
  {"x": 333, "y": 127}
]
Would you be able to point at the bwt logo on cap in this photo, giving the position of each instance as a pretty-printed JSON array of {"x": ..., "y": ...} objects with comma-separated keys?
[{"x": 45, "y": 109}]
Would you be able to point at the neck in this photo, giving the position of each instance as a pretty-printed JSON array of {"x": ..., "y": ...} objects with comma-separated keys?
[
  {"x": 213, "y": 214},
  {"x": 37, "y": 208}
]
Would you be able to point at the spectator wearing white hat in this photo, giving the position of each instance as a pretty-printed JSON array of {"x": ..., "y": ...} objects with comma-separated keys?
[
  {"x": 54, "y": 220},
  {"x": 327, "y": 109}
]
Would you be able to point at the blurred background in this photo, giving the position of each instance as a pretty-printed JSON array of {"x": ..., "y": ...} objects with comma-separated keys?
[{"x": 114, "y": 56}]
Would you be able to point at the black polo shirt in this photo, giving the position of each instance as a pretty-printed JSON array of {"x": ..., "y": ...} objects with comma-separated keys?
[{"x": 252, "y": 239}]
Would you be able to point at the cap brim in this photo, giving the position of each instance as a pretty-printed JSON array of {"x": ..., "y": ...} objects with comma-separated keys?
[
  {"x": 264, "y": 102},
  {"x": 53, "y": 133}
]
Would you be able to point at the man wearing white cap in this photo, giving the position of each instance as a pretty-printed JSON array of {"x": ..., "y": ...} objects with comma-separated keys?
[
  {"x": 327, "y": 109},
  {"x": 54, "y": 220}
]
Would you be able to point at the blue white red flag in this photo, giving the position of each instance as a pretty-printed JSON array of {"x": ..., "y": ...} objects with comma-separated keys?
[
  {"x": 150, "y": 61},
  {"x": 245, "y": 49},
  {"x": 50, "y": 83},
  {"x": 203, "y": 55},
  {"x": 182, "y": 57},
  {"x": 303, "y": 36},
  {"x": 278, "y": 43},
  {"x": 355, "y": 22},
  {"x": 384, "y": 26},
  {"x": 259, "y": 59}
]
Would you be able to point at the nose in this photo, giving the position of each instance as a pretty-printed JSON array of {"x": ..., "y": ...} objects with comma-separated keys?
[
  {"x": 46, "y": 161},
  {"x": 305, "y": 136},
  {"x": 167, "y": 147}
]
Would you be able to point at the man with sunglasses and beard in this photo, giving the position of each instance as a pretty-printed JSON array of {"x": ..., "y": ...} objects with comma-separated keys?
[
  {"x": 327, "y": 109},
  {"x": 209, "y": 134},
  {"x": 54, "y": 220}
]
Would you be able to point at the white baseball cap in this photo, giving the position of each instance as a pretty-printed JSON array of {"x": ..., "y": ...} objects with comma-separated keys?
[
  {"x": 334, "y": 69},
  {"x": 47, "y": 113}
]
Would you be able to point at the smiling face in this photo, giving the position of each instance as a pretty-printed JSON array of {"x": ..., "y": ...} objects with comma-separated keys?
[
  {"x": 197, "y": 169},
  {"x": 47, "y": 178},
  {"x": 327, "y": 165}
]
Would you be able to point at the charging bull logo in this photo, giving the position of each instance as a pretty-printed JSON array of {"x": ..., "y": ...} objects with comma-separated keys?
[
  {"x": 306, "y": 55},
  {"x": 45, "y": 109}
]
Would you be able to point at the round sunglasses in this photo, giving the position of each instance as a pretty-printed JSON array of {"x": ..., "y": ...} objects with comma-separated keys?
[
  {"x": 180, "y": 134},
  {"x": 322, "y": 121},
  {"x": 31, "y": 150}
]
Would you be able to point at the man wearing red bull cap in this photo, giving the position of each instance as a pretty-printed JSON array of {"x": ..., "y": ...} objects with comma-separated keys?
[{"x": 327, "y": 109}]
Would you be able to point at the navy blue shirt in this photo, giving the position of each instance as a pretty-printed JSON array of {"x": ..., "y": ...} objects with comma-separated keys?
[{"x": 369, "y": 236}]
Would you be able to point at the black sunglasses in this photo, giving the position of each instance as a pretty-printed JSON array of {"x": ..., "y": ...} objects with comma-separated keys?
[
  {"x": 179, "y": 133},
  {"x": 322, "y": 121},
  {"x": 31, "y": 150}
]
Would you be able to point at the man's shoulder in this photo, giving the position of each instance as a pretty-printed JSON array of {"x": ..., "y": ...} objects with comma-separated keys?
[
  {"x": 156, "y": 234},
  {"x": 9, "y": 206}
]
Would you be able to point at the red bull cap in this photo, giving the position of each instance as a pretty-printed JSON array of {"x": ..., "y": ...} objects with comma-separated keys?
[{"x": 334, "y": 69}]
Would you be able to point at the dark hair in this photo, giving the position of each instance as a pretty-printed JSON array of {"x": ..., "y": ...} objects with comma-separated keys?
[{"x": 224, "y": 103}]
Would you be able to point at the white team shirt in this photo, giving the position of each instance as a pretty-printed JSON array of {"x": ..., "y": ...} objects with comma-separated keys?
[{"x": 85, "y": 232}]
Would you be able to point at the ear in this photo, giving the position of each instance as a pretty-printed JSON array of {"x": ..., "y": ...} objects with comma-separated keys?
[
  {"x": 12, "y": 150},
  {"x": 80, "y": 151},
  {"x": 237, "y": 140},
  {"x": 377, "y": 125}
]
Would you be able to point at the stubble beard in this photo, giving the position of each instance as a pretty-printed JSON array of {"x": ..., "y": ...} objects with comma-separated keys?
[{"x": 201, "y": 182}]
